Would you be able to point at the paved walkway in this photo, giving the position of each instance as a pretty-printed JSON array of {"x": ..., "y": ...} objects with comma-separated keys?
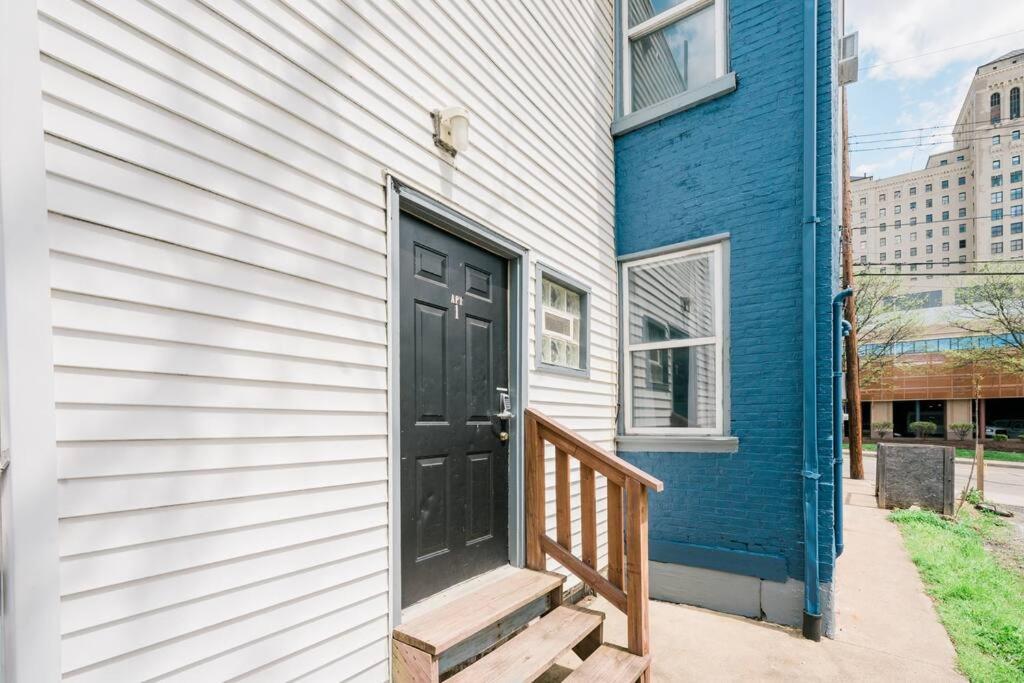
[{"x": 888, "y": 629}]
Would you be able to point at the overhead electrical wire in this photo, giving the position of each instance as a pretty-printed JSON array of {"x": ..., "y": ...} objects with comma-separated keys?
[
  {"x": 943, "y": 222},
  {"x": 960, "y": 127},
  {"x": 876, "y": 65}
]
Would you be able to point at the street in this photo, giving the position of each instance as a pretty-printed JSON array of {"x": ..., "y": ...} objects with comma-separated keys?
[{"x": 1003, "y": 485}]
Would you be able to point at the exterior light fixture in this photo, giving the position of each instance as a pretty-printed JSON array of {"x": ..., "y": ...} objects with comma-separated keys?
[{"x": 451, "y": 129}]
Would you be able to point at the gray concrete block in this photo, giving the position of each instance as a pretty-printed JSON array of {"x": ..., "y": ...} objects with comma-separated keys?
[
  {"x": 915, "y": 474},
  {"x": 708, "y": 588},
  {"x": 783, "y": 603}
]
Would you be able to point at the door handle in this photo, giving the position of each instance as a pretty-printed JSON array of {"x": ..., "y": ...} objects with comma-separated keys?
[{"x": 506, "y": 405}]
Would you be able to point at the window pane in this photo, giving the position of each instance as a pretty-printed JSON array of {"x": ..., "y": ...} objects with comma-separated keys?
[
  {"x": 679, "y": 57},
  {"x": 674, "y": 387},
  {"x": 642, "y": 10},
  {"x": 672, "y": 299},
  {"x": 561, "y": 326}
]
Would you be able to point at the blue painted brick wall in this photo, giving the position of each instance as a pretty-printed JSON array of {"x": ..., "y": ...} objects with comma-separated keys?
[{"x": 735, "y": 165}]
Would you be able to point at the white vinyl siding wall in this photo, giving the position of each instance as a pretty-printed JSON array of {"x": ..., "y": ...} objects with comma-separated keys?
[{"x": 217, "y": 230}]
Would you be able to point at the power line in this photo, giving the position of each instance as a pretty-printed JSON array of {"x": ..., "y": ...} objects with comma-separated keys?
[
  {"x": 945, "y": 222},
  {"x": 885, "y": 264},
  {"x": 875, "y": 65},
  {"x": 923, "y": 144},
  {"x": 959, "y": 127},
  {"x": 919, "y": 274},
  {"x": 923, "y": 136}
]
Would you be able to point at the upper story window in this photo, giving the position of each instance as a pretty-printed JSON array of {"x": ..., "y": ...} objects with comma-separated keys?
[
  {"x": 996, "y": 163},
  {"x": 995, "y": 139},
  {"x": 997, "y": 180},
  {"x": 863, "y": 201},
  {"x": 562, "y": 320},
  {"x": 928, "y": 187},
  {"x": 881, "y": 197},
  {"x": 897, "y": 194},
  {"x": 670, "y": 47},
  {"x": 960, "y": 157},
  {"x": 945, "y": 199},
  {"x": 962, "y": 197},
  {"x": 945, "y": 184},
  {"x": 1015, "y": 103},
  {"x": 674, "y": 307},
  {"x": 1015, "y": 160},
  {"x": 962, "y": 180},
  {"x": 995, "y": 107},
  {"x": 1015, "y": 135},
  {"x": 913, "y": 191},
  {"x": 943, "y": 162}
]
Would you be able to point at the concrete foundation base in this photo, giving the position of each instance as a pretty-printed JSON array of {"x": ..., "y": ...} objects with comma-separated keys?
[{"x": 748, "y": 596}]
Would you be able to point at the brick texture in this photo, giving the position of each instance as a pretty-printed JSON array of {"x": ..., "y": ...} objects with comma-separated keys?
[{"x": 734, "y": 165}]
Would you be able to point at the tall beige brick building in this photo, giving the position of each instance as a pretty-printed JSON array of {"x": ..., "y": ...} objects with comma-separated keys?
[
  {"x": 964, "y": 206},
  {"x": 963, "y": 209}
]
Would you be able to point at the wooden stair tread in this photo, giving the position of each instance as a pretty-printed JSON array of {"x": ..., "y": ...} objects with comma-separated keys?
[
  {"x": 610, "y": 663},
  {"x": 532, "y": 652},
  {"x": 465, "y": 616}
]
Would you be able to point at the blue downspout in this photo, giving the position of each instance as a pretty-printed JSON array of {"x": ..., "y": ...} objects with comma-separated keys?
[
  {"x": 839, "y": 330},
  {"x": 812, "y": 589}
]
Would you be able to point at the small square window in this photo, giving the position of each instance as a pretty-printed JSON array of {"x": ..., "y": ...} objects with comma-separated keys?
[
  {"x": 1016, "y": 228},
  {"x": 995, "y": 139},
  {"x": 1015, "y": 176},
  {"x": 963, "y": 227},
  {"x": 1016, "y": 245},
  {"x": 928, "y": 187},
  {"x": 898, "y": 254},
  {"x": 962, "y": 244},
  {"x": 562, "y": 321},
  {"x": 1015, "y": 160},
  {"x": 962, "y": 180},
  {"x": 1015, "y": 135},
  {"x": 945, "y": 246},
  {"x": 945, "y": 185},
  {"x": 997, "y": 247},
  {"x": 928, "y": 203},
  {"x": 996, "y": 164},
  {"x": 997, "y": 180},
  {"x": 913, "y": 191},
  {"x": 945, "y": 230},
  {"x": 997, "y": 230},
  {"x": 928, "y": 248}
]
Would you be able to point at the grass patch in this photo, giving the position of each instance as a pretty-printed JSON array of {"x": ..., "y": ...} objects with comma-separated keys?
[
  {"x": 980, "y": 602},
  {"x": 1004, "y": 456}
]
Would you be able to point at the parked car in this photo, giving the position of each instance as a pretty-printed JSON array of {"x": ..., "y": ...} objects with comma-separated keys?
[
  {"x": 993, "y": 430},
  {"x": 1011, "y": 428}
]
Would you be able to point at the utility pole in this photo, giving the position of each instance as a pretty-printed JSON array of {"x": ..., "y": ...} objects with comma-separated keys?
[{"x": 852, "y": 359}]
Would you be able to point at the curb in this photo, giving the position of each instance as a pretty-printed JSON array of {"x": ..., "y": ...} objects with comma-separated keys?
[{"x": 988, "y": 463}]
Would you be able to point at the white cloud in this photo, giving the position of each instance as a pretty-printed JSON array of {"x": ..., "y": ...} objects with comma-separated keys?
[{"x": 892, "y": 31}]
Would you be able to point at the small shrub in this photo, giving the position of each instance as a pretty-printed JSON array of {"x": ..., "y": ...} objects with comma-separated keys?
[
  {"x": 1000, "y": 437},
  {"x": 923, "y": 428},
  {"x": 962, "y": 429},
  {"x": 973, "y": 497},
  {"x": 881, "y": 429}
]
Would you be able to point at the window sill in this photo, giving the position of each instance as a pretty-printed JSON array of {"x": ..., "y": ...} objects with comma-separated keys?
[
  {"x": 673, "y": 105},
  {"x": 561, "y": 370},
  {"x": 657, "y": 443}
]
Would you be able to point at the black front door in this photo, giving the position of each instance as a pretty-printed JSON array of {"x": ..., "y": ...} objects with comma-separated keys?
[{"x": 453, "y": 318}]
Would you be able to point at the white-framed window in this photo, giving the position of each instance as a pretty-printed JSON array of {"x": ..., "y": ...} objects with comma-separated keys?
[
  {"x": 562, "y": 323},
  {"x": 670, "y": 47},
  {"x": 673, "y": 334}
]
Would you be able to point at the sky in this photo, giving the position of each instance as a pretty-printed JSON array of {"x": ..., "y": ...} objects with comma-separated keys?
[{"x": 894, "y": 93}]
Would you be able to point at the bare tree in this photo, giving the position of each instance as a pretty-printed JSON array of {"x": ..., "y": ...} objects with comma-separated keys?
[
  {"x": 993, "y": 306},
  {"x": 885, "y": 318}
]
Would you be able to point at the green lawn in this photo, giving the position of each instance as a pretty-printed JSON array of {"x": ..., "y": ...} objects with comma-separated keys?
[
  {"x": 1005, "y": 456},
  {"x": 980, "y": 602}
]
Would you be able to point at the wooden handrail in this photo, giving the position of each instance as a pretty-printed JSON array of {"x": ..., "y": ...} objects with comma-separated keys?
[{"x": 626, "y": 585}]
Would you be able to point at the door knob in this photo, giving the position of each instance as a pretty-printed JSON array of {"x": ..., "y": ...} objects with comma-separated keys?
[{"x": 502, "y": 436}]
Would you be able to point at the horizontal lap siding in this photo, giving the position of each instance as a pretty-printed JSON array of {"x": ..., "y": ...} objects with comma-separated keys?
[{"x": 217, "y": 230}]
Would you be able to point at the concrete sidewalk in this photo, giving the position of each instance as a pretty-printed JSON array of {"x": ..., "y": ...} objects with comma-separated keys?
[{"x": 888, "y": 628}]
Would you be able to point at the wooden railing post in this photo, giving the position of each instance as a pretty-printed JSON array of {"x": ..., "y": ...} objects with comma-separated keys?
[
  {"x": 563, "y": 501},
  {"x": 616, "y": 557},
  {"x": 535, "y": 503},
  {"x": 588, "y": 514},
  {"x": 637, "y": 618}
]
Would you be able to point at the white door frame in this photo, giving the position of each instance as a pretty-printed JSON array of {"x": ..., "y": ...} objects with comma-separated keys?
[
  {"x": 28, "y": 491},
  {"x": 400, "y": 197}
]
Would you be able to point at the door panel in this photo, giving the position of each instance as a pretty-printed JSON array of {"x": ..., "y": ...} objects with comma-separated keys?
[{"x": 453, "y": 331}]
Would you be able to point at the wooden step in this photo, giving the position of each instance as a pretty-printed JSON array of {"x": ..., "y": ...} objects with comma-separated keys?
[
  {"x": 463, "y": 617},
  {"x": 533, "y": 651},
  {"x": 610, "y": 663}
]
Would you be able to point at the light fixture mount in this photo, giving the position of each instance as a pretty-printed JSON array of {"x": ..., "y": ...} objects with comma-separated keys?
[{"x": 451, "y": 129}]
